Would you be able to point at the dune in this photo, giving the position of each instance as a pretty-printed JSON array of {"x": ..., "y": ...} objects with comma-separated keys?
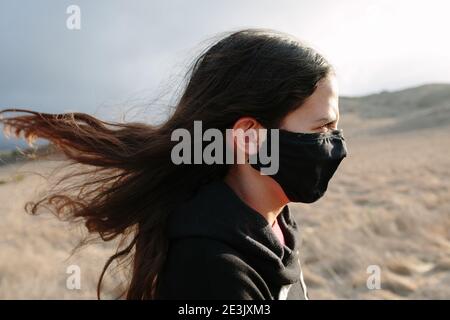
[{"x": 387, "y": 206}]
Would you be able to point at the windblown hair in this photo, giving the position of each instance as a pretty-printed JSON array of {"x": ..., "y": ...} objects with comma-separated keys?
[{"x": 126, "y": 185}]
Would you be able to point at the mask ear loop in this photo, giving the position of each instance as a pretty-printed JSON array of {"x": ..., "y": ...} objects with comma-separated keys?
[
  {"x": 260, "y": 144},
  {"x": 256, "y": 140}
]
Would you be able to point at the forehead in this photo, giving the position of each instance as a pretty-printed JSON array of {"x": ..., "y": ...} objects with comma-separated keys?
[
  {"x": 323, "y": 103},
  {"x": 319, "y": 109}
]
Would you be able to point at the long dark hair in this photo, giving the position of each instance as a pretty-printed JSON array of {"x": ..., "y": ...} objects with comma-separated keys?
[{"x": 127, "y": 185}]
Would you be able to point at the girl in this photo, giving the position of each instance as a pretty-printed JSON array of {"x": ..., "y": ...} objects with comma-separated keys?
[{"x": 206, "y": 231}]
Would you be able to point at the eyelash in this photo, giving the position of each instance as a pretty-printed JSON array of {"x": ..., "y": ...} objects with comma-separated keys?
[{"x": 329, "y": 124}]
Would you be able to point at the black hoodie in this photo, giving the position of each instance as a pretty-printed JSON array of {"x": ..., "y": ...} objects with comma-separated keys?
[{"x": 220, "y": 248}]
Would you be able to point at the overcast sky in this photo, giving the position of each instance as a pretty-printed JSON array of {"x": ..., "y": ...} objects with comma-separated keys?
[{"x": 127, "y": 49}]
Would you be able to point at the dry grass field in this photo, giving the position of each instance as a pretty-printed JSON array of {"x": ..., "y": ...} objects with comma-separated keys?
[{"x": 388, "y": 205}]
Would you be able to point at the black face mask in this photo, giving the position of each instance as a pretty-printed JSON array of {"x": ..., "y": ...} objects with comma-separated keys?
[{"x": 307, "y": 161}]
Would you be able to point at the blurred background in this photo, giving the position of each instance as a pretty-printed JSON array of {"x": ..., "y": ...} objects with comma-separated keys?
[{"x": 388, "y": 205}]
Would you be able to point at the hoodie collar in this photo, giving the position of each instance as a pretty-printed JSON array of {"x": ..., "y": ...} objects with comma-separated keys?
[{"x": 217, "y": 212}]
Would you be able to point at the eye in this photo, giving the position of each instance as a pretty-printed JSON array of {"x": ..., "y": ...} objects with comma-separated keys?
[
  {"x": 328, "y": 126},
  {"x": 332, "y": 125}
]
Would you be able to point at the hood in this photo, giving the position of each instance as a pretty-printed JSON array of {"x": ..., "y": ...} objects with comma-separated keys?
[{"x": 216, "y": 212}]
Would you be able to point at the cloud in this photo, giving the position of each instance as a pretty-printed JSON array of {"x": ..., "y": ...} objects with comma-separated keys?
[{"x": 127, "y": 47}]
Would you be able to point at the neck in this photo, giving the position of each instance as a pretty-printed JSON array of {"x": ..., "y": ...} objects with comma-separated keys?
[{"x": 261, "y": 193}]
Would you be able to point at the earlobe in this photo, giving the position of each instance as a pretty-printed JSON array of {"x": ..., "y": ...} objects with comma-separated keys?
[
  {"x": 246, "y": 144},
  {"x": 246, "y": 139}
]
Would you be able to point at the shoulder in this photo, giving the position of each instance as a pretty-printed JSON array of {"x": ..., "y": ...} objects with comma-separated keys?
[
  {"x": 205, "y": 249},
  {"x": 210, "y": 255},
  {"x": 203, "y": 268}
]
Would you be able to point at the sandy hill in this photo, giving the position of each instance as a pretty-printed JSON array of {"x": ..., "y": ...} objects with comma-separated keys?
[
  {"x": 423, "y": 107},
  {"x": 388, "y": 206}
]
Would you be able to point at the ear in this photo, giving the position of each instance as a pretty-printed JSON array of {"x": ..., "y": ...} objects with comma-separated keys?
[{"x": 245, "y": 138}]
